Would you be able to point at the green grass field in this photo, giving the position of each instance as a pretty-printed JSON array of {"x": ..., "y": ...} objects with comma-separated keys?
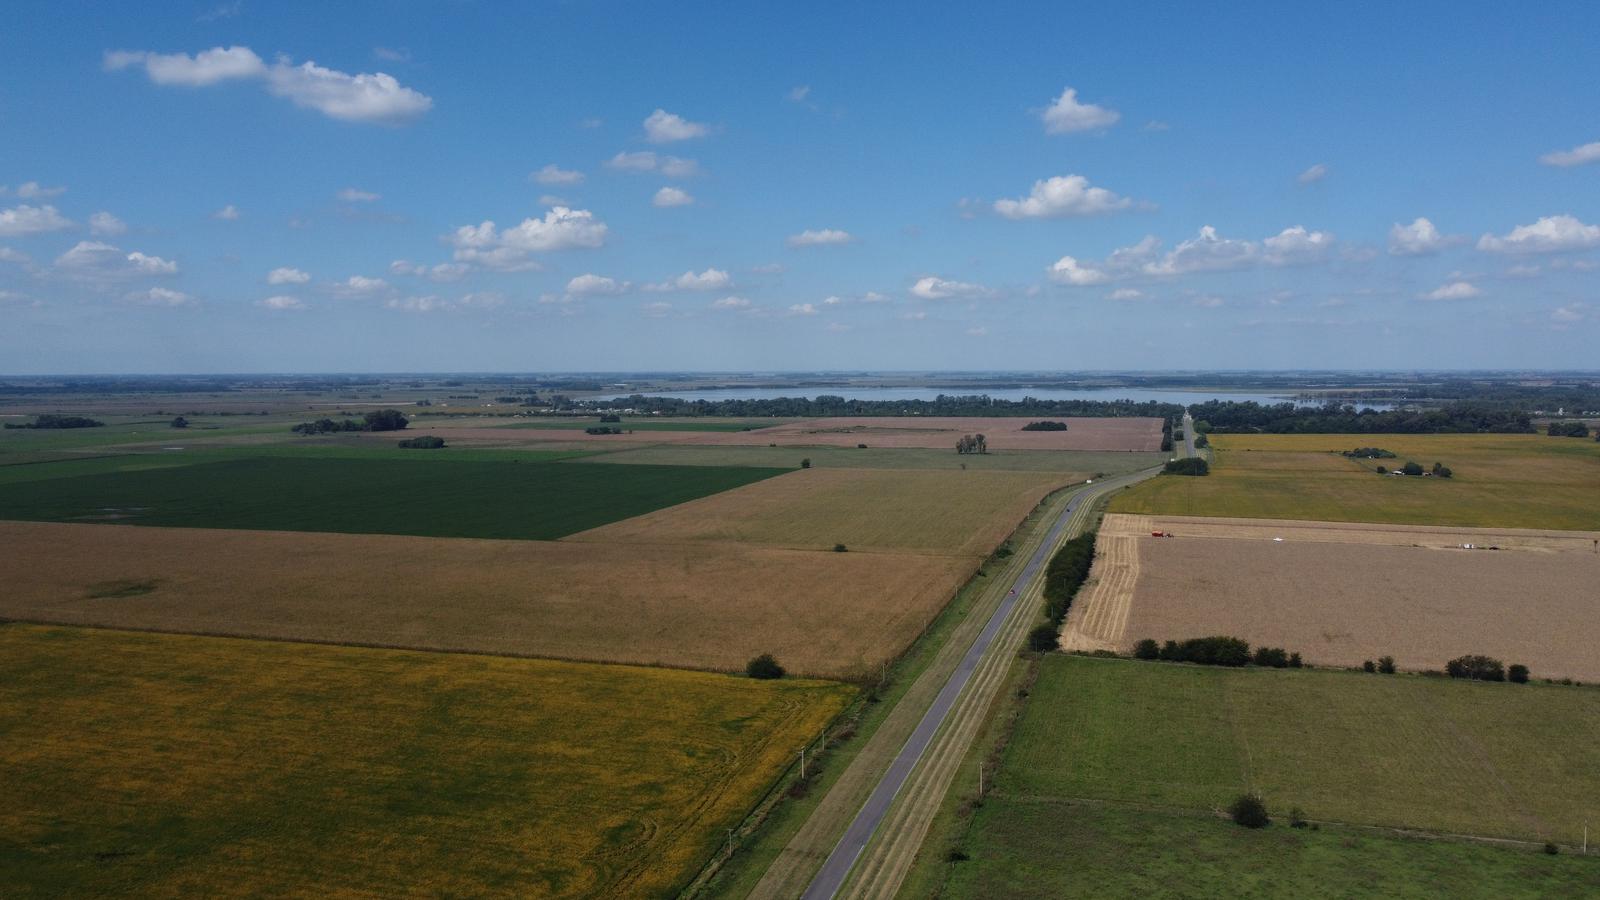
[
  {"x": 1043, "y": 848},
  {"x": 369, "y": 494},
  {"x": 1500, "y": 480},
  {"x": 1499, "y": 760},
  {"x": 1113, "y": 781},
  {"x": 1084, "y": 461},
  {"x": 176, "y": 766}
]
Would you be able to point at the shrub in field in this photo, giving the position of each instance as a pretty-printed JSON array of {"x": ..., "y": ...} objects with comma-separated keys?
[
  {"x": 1249, "y": 811},
  {"x": 1386, "y": 665},
  {"x": 764, "y": 667},
  {"x": 1551, "y": 848},
  {"x": 1171, "y": 652},
  {"x": 1517, "y": 674},
  {"x": 1476, "y": 668},
  {"x": 602, "y": 429},
  {"x": 1567, "y": 429},
  {"x": 1369, "y": 666},
  {"x": 1201, "y": 441},
  {"x": 858, "y": 446},
  {"x": 805, "y": 463},
  {"x": 425, "y": 442},
  {"x": 180, "y": 422},
  {"x": 1045, "y": 426},
  {"x": 1441, "y": 470},
  {"x": 1044, "y": 639},
  {"x": 840, "y": 548},
  {"x": 1411, "y": 468},
  {"x": 1294, "y": 661},
  {"x": 385, "y": 420},
  {"x": 611, "y": 417},
  {"x": 1297, "y": 818},
  {"x": 1369, "y": 453},
  {"x": 1271, "y": 657},
  {"x": 1381, "y": 470},
  {"x": 1191, "y": 466},
  {"x": 1147, "y": 649}
]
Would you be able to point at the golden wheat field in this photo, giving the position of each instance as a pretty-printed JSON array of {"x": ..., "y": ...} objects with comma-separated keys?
[
  {"x": 1342, "y": 593},
  {"x": 709, "y": 606},
  {"x": 181, "y": 766},
  {"x": 941, "y": 512}
]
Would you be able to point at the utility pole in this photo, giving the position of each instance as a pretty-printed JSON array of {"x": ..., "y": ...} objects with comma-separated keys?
[{"x": 802, "y": 764}]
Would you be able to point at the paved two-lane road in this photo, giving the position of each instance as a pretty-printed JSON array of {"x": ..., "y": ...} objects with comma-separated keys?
[{"x": 836, "y": 869}]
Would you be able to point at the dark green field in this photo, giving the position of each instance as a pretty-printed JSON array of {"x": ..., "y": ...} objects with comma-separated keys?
[{"x": 498, "y": 499}]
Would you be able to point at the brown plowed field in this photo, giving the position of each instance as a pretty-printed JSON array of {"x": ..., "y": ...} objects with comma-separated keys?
[
  {"x": 1341, "y": 593},
  {"x": 703, "y": 606},
  {"x": 943, "y": 512}
]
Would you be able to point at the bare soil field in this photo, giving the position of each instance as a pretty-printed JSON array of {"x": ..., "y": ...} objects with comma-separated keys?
[
  {"x": 710, "y": 606},
  {"x": 948, "y": 512},
  {"x": 1342, "y": 593}
]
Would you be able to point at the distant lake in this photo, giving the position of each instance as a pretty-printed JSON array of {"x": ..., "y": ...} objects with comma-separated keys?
[{"x": 1138, "y": 395}]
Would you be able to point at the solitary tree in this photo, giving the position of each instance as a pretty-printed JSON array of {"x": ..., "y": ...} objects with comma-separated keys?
[
  {"x": 180, "y": 422},
  {"x": 764, "y": 667},
  {"x": 1249, "y": 811},
  {"x": 1044, "y": 639}
]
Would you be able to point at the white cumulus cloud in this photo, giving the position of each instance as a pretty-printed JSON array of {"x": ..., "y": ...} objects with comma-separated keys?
[
  {"x": 1063, "y": 195},
  {"x": 1067, "y": 115},
  {"x": 33, "y": 190},
  {"x": 1551, "y": 234},
  {"x": 25, "y": 220},
  {"x": 662, "y": 127},
  {"x": 229, "y": 213},
  {"x": 591, "y": 285},
  {"x": 731, "y": 303},
  {"x": 803, "y": 309},
  {"x": 158, "y": 296},
  {"x": 560, "y": 228},
  {"x": 650, "y": 161},
  {"x": 1577, "y": 156},
  {"x": 104, "y": 224},
  {"x": 1205, "y": 252},
  {"x": 1420, "y": 238},
  {"x": 934, "y": 288},
  {"x": 287, "y": 275},
  {"x": 1313, "y": 175},
  {"x": 204, "y": 68},
  {"x": 282, "y": 301},
  {"x": 356, "y": 195},
  {"x": 1296, "y": 246},
  {"x": 1455, "y": 290},
  {"x": 367, "y": 97},
  {"x": 821, "y": 237},
  {"x": 709, "y": 280},
  {"x": 96, "y": 260},
  {"x": 441, "y": 272},
  {"x": 1067, "y": 270},
  {"x": 671, "y": 196},
  {"x": 554, "y": 174}
]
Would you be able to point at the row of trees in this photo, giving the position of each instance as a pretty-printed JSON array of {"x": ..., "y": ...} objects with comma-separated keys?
[
  {"x": 423, "y": 442},
  {"x": 972, "y": 443},
  {"x": 1369, "y": 453},
  {"x": 1567, "y": 429},
  {"x": 1045, "y": 426},
  {"x": 52, "y": 420},
  {"x": 1230, "y": 417},
  {"x": 1065, "y": 574},
  {"x": 1476, "y": 667},
  {"x": 1217, "y": 650},
  {"x": 1192, "y": 465},
  {"x": 378, "y": 420},
  {"x": 1414, "y": 469},
  {"x": 942, "y": 405}
]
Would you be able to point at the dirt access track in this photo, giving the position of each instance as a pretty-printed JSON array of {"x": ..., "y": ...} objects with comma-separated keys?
[
  {"x": 1341, "y": 593},
  {"x": 1001, "y": 432}
]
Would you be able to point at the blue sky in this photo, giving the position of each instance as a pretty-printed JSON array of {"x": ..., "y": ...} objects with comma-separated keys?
[{"x": 248, "y": 186}]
